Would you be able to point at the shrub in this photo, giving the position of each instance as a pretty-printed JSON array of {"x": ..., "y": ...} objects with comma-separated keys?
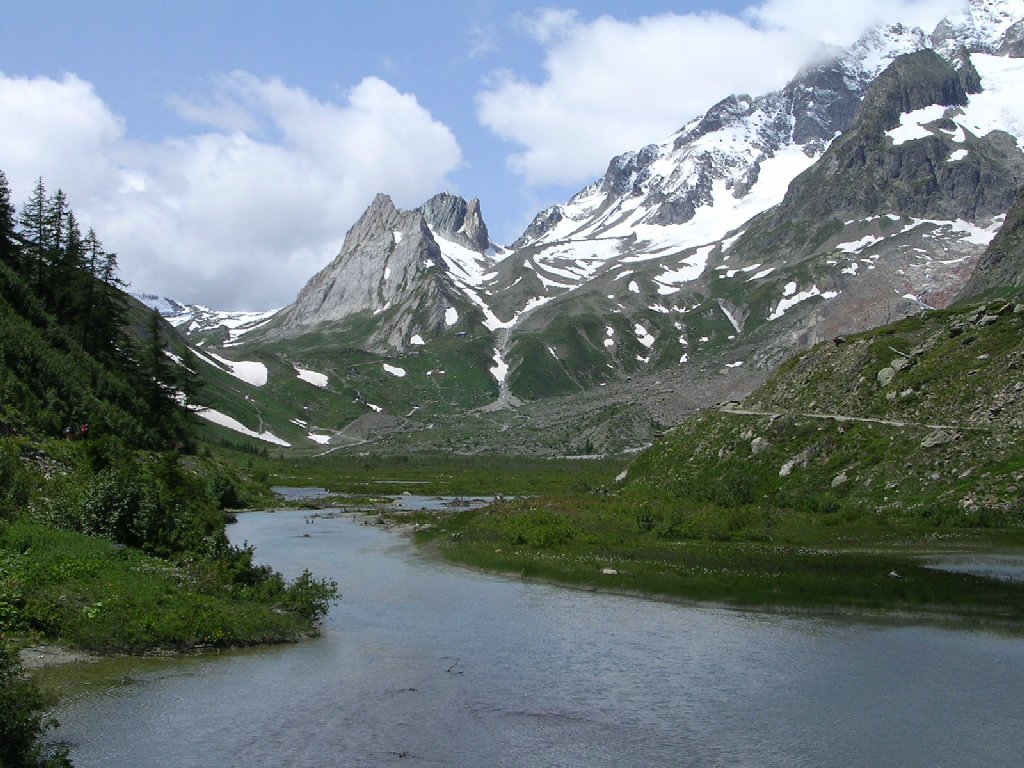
[{"x": 22, "y": 722}]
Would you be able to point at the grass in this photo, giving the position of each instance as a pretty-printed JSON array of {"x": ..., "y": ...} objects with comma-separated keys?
[
  {"x": 92, "y": 594},
  {"x": 804, "y": 565},
  {"x": 440, "y": 474}
]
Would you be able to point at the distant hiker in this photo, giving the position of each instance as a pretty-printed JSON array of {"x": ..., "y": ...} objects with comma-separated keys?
[
  {"x": 85, "y": 430},
  {"x": 68, "y": 435}
]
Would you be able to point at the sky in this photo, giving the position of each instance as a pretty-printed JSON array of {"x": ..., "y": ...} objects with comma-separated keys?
[{"x": 223, "y": 149}]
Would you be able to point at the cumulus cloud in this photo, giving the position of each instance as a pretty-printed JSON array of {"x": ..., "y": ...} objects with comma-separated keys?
[
  {"x": 242, "y": 212},
  {"x": 50, "y": 127},
  {"x": 840, "y": 23},
  {"x": 611, "y": 86}
]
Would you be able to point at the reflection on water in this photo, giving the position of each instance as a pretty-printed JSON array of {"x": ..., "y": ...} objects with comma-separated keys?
[
  {"x": 405, "y": 502},
  {"x": 1006, "y": 567},
  {"x": 435, "y": 666},
  {"x": 291, "y": 493}
]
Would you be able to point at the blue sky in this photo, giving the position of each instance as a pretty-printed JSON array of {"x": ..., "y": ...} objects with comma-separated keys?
[{"x": 224, "y": 148}]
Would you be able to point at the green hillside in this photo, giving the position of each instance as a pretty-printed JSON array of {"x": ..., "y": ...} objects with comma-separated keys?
[
  {"x": 833, "y": 487},
  {"x": 111, "y": 524}
]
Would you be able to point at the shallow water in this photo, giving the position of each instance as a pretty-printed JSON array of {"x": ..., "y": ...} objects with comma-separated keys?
[
  {"x": 432, "y": 665},
  {"x": 1004, "y": 567}
]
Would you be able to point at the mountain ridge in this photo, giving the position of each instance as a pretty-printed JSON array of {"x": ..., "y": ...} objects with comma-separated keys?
[{"x": 863, "y": 191}]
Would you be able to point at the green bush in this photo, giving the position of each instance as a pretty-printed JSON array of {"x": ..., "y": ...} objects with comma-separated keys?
[{"x": 22, "y": 720}]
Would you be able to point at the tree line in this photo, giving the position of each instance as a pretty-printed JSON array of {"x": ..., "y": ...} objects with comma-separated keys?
[
  {"x": 72, "y": 274},
  {"x": 72, "y": 281}
]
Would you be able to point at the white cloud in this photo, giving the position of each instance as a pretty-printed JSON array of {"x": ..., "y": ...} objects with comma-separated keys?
[
  {"x": 612, "y": 86},
  {"x": 840, "y": 23},
  {"x": 50, "y": 128},
  {"x": 548, "y": 24},
  {"x": 242, "y": 212}
]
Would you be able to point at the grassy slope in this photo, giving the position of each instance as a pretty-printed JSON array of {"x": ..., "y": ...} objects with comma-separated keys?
[
  {"x": 792, "y": 509},
  {"x": 64, "y": 504}
]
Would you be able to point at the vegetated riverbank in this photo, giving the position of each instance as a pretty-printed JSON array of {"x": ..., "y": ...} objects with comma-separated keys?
[
  {"x": 437, "y": 474},
  {"x": 109, "y": 550},
  {"x": 866, "y": 568}
]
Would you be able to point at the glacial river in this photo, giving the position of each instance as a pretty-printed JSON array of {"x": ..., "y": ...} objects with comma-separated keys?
[{"x": 424, "y": 664}]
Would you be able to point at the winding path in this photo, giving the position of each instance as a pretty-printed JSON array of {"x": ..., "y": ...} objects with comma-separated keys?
[{"x": 727, "y": 408}]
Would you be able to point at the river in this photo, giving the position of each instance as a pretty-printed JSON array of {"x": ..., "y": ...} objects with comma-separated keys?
[{"x": 424, "y": 664}]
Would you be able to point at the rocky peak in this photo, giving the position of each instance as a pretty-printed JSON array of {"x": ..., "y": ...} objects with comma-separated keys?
[
  {"x": 980, "y": 28},
  {"x": 457, "y": 220},
  {"x": 911, "y": 82},
  {"x": 725, "y": 112},
  {"x": 1002, "y": 264},
  {"x": 727, "y": 146},
  {"x": 1012, "y": 44},
  {"x": 384, "y": 254}
]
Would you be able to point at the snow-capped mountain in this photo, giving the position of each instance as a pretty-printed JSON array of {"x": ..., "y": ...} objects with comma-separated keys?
[
  {"x": 864, "y": 190},
  {"x": 410, "y": 271},
  {"x": 200, "y": 323}
]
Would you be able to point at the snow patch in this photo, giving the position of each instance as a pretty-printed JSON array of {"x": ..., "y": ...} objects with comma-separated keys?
[
  {"x": 690, "y": 269},
  {"x": 912, "y": 124},
  {"x": 451, "y": 316},
  {"x": 249, "y": 371},
  {"x": 312, "y": 377},
  {"x": 500, "y": 369},
  {"x": 395, "y": 370},
  {"x": 417, "y": 340},
  {"x": 762, "y": 273},
  {"x": 233, "y": 424},
  {"x": 321, "y": 439},
  {"x": 794, "y": 299},
  {"x": 858, "y": 245},
  {"x": 643, "y": 335}
]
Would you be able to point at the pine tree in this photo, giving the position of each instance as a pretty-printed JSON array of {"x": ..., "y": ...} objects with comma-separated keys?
[
  {"x": 68, "y": 275},
  {"x": 159, "y": 375},
  {"x": 189, "y": 380},
  {"x": 32, "y": 222},
  {"x": 56, "y": 222},
  {"x": 10, "y": 253}
]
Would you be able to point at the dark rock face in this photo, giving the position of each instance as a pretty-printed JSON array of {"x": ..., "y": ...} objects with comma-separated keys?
[
  {"x": 1013, "y": 42},
  {"x": 911, "y": 82},
  {"x": 1002, "y": 264},
  {"x": 822, "y": 103},
  {"x": 542, "y": 223},
  {"x": 864, "y": 173}
]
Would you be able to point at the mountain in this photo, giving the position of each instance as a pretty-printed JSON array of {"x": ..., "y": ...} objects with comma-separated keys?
[
  {"x": 202, "y": 324},
  {"x": 863, "y": 191},
  {"x": 407, "y": 272},
  {"x": 914, "y": 421},
  {"x": 1002, "y": 264}
]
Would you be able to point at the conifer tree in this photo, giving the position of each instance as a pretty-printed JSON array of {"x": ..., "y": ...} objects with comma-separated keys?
[
  {"x": 69, "y": 278},
  {"x": 9, "y": 252},
  {"x": 32, "y": 222},
  {"x": 159, "y": 374},
  {"x": 189, "y": 380},
  {"x": 55, "y": 223}
]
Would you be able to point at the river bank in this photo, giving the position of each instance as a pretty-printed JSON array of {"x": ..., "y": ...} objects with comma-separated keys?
[
  {"x": 450, "y": 667},
  {"x": 890, "y": 570}
]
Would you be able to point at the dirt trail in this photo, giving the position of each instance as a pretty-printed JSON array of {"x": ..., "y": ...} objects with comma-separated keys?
[{"x": 841, "y": 417}]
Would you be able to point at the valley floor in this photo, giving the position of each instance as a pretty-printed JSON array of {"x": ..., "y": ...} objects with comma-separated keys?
[{"x": 802, "y": 565}]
